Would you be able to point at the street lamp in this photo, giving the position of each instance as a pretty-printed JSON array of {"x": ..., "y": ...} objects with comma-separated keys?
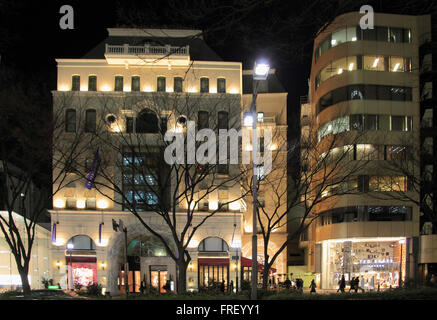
[
  {"x": 70, "y": 247},
  {"x": 260, "y": 73}
]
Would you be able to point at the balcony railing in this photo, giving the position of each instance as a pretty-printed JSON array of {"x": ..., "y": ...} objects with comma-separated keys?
[{"x": 146, "y": 50}]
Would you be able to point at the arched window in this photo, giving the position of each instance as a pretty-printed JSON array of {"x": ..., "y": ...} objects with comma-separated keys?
[
  {"x": 202, "y": 120},
  {"x": 70, "y": 120},
  {"x": 213, "y": 244},
  {"x": 146, "y": 246},
  {"x": 81, "y": 242},
  {"x": 147, "y": 122},
  {"x": 90, "y": 120}
]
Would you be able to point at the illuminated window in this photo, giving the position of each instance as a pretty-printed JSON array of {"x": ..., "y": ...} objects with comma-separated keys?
[
  {"x": 75, "y": 83},
  {"x": 92, "y": 83},
  {"x": 374, "y": 63}
]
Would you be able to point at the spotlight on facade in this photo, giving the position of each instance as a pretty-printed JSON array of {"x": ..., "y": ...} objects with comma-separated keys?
[
  {"x": 80, "y": 204},
  {"x": 59, "y": 203},
  {"x": 102, "y": 204}
]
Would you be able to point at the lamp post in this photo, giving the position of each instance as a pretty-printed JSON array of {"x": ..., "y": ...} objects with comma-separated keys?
[
  {"x": 120, "y": 227},
  {"x": 260, "y": 72},
  {"x": 70, "y": 247}
]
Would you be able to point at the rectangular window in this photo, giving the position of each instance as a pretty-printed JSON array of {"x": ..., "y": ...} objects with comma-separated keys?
[
  {"x": 202, "y": 120},
  {"x": 398, "y": 93},
  {"x": 90, "y": 121},
  {"x": 375, "y": 63},
  {"x": 396, "y": 34},
  {"x": 356, "y": 122},
  {"x": 370, "y": 122},
  {"x": 382, "y": 33},
  {"x": 177, "y": 84},
  {"x": 338, "y": 37},
  {"x": 204, "y": 85},
  {"x": 223, "y": 122},
  {"x": 221, "y": 85},
  {"x": 118, "y": 83},
  {"x": 135, "y": 86},
  {"x": 70, "y": 121},
  {"x": 397, "y": 123},
  {"x": 369, "y": 34},
  {"x": 160, "y": 86},
  {"x": 129, "y": 125},
  {"x": 75, "y": 83},
  {"x": 383, "y": 122},
  {"x": 397, "y": 64},
  {"x": 92, "y": 83},
  {"x": 351, "y": 33}
]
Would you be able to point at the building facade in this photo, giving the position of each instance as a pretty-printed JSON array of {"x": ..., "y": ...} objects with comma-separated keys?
[
  {"x": 364, "y": 95},
  {"x": 114, "y": 104}
]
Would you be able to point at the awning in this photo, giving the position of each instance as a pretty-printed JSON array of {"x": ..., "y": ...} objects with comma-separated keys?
[
  {"x": 246, "y": 262},
  {"x": 81, "y": 259},
  {"x": 213, "y": 261}
]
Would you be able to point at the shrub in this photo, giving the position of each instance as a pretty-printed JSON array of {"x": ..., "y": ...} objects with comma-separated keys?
[{"x": 94, "y": 289}]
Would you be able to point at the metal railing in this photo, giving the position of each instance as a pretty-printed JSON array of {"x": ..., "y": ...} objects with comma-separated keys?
[{"x": 146, "y": 50}]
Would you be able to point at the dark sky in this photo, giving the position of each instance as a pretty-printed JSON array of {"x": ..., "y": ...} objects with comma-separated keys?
[{"x": 31, "y": 39}]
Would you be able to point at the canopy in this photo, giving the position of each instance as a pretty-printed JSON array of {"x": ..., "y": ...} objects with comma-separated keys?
[{"x": 246, "y": 262}]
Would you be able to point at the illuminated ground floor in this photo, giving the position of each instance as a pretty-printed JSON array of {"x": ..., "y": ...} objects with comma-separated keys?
[{"x": 377, "y": 262}]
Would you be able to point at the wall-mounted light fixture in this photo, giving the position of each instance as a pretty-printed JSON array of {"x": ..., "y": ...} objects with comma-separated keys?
[{"x": 58, "y": 264}]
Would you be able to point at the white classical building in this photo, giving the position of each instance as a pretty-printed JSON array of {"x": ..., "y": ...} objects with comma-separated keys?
[{"x": 113, "y": 87}]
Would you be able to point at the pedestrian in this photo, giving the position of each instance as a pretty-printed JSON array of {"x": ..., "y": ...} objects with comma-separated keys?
[
  {"x": 287, "y": 284},
  {"x": 313, "y": 286},
  {"x": 351, "y": 284},
  {"x": 142, "y": 287},
  {"x": 222, "y": 286},
  {"x": 341, "y": 284},
  {"x": 231, "y": 287},
  {"x": 357, "y": 283}
]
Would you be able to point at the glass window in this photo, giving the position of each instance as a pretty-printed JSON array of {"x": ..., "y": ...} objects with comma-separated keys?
[
  {"x": 397, "y": 153},
  {"x": 356, "y": 122},
  {"x": 75, "y": 83},
  {"x": 326, "y": 44},
  {"x": 177, "y": 84},
  {"x": 396, "y": 34},
  {"x": 383, "y": 122},
  {"x": 70, "y": 120},
  {"x": 160, "y": 84},
  {"x": 426, "y": 91},
  {"x": 129, "y": 125},
  {"x": 221, "y": 85},
  {"x": 370, "y": 122},
  {"x": 351, "y": 33},
  {"x": 355, "y": 92},
  {"x": 375, "y": 63},
  {"x": 147, "y": 122},
  {"x": 92, "y": 83},
  {"x": 384, "y": 93},
  {"x": 90, "y": 120},
  {"x": 339, "y": 66},
  {"x": 339, "y": 95},
  {"x": 204, "y": 85},
  {"x": 118, "y": 83},
  {"x": 338, "y": 37},
  {"x": 202, "y": 120},
  {"x": 426, "y": 62},
  {"x": 369, "y": 34},
  {"x": 382, "y": 33},
  {"x": 397, "y": 123},
  {"x": 428, "y": 143},
  {"x": 135, "y": 83},
  {"x": 367, "y": 152},
  {"x": 223, "y": 122},
  {"x": 325, "y": 101},
  {"x": 427, "y": 121},
  {"x": 397, "y": 64},
  {"x": 398, "y": 93},
  {"x": 370, "y": 92}
]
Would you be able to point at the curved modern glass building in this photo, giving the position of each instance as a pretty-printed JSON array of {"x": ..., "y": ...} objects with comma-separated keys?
[{"x": 365, "y": 103}]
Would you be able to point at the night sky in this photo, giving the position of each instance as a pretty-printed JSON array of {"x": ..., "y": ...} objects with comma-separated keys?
[{"x": 31, "y": 39}]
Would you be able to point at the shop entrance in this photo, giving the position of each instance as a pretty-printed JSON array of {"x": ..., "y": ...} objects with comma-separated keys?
[
  {"x": 81, "y": 261},
  {"x": 158, "y": 277},
  {"x": 212, "y": 272}
]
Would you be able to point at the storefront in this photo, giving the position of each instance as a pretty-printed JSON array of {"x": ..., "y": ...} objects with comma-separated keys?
[
  {"x": 213, "y": 271},
  {"x": 82, "y": 270},
  {"x": 378, "y": 262}
]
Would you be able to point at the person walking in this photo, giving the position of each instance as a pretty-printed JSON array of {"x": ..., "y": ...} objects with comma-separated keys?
[
  {"x": 342, "y": 284},
  {"x": 357, "y": 283},
  {"x": 222, "y": 286},
  {"x": 287, "y": 284},
  {"x": 231, "y": 287},
  {"x": 313, "y": 286},
  {"x": 352, "y": 284}
]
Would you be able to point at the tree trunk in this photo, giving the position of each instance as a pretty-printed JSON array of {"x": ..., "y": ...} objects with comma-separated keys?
[
  {"x": 23, "y": 271},
  {"x": 265, "y": 276},
  {"x": 181, "y": 276}
]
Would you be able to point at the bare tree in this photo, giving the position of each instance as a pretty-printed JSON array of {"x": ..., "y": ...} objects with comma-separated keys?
[
  {"x": 25, "y": 162},
  {"x": 134, "y": 173},
  {"x": 328, "y": 170}
]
